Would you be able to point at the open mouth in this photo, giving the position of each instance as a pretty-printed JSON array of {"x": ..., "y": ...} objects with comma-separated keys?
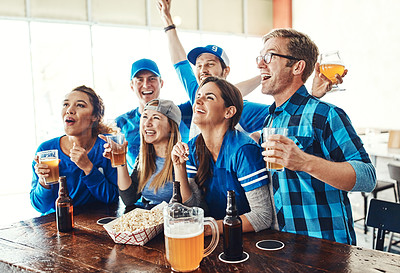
[
  {"x": 150, "y": 132},
  {"x": 204, "y": 76},
  {"x": 265, "y": 77},
  {"x": 200, "y": 111},
  {"x": 146, "y": 93},
  {"x": 69, "y": 121}
]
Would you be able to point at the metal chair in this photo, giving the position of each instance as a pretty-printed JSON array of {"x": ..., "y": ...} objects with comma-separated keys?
[
  {"x": 385, "y": 216},
  {"x": 380, "y": 186}
]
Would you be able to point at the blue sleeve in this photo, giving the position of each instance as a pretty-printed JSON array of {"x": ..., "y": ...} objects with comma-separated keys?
[
  {"x": 191, "y": 167},
  {"x": 184, "y": 126},
  {"x": 102, "y": 183},
  {"x": 250, "y": 167},
  {"x": 365, "y": 176},
  {"x": 253, "y": 116},
  {"x": 42, "y": 199},
  {"x": 187, "y": 78}
]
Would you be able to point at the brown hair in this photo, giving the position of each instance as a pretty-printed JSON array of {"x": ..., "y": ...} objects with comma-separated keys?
[
  {"x": 147, "y": 160},
  {"x": 98, "y": 126},
  {"x": 299, "y": 46},
  {"x": 232, "y": 97}
]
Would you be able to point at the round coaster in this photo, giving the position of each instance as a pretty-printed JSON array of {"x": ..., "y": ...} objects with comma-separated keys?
[
  {"x": 242, "y": 259},
  {"x": 270, "y": 245},
  {"x": 105, "y": 220}
]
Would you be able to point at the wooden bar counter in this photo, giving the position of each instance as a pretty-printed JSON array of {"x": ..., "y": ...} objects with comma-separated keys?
[{"x": 36, "y": 246}]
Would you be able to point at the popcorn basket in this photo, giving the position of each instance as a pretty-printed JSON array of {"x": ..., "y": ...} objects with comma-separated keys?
[{"x": 137, "y": 227}]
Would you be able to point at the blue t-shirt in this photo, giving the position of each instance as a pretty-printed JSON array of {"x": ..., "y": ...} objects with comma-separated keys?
[
  {"x": 99, "y": 185},
  {"x": 304, "y": 204},
  {"x": 164, "y": 193},
  {"x": 239, "y": 167},
  {"x": 253, "y": 114},
  {"x": 129, "y": 123}
]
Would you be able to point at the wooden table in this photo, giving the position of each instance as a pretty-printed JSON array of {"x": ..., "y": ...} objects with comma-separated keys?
[{"x": 34, "y": 245}]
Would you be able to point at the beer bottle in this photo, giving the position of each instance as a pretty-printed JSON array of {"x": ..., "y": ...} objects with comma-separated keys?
[
  {"x": 64, "y": 207},
  {"x": 176, "y": 193},
  {"x": 233, "y": 241}
]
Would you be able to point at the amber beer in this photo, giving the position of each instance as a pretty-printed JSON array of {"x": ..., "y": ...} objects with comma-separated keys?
[
  {"x": 185, "y": 252},
  {"x": 118, "y": 153},
  {"x": 274, "y": 131},
  {"x": 330, "y": 70},
  {"x": 118, "y": 159},
  {"x": 50, "y": 158}
]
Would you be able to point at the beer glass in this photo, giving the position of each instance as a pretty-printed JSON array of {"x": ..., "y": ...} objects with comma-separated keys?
[
  {"x": 184, "y": 236},
  {"x": 118, "y": 153},
  {"x": 330, "y": 65},
  {"x": 50, "y": 158},
  {"x": 266, "y": 132}
]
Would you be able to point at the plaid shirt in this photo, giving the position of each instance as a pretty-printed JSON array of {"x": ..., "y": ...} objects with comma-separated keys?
[{"x": 304, "y": 204}]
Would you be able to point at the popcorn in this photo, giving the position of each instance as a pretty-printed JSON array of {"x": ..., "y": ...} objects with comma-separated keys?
[{"x": 138, "y": 226}]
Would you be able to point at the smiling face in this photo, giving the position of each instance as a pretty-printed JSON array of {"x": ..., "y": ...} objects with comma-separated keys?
[
  {"x": 209, "y": 65},
  {"x": 146, "y": 86},
  {"x": 209, "y": 107},
  {"x": 154, "y": 127},
  {"x": 276, "y": 77},
  {"x": 77, "y": 114}
]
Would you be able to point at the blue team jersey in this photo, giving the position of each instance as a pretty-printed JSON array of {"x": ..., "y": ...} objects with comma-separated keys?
[
  {"x": 129, "y": 123},
  {"x": 304, "y": 204},
  {"x": 253, "y": 114},
  {"x": 239, "y": 167},
  {"x": 99, "y": 185}
]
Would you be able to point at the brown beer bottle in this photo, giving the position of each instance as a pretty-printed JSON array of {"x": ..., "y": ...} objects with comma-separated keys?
[
  {"x": 176, "y": 193},
  {"x": 233, "y": 241},
  {"x": 64, "y": 207}
]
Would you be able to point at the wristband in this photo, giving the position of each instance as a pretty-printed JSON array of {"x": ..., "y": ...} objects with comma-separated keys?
[{"x": 169, "y": 27}]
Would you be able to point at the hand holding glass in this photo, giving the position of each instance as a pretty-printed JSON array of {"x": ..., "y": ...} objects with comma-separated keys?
[
  {"x": 118, "y": 150},
  {"x": 50, "y": 158},
  {"x": 330, "y": 65},
  {"x": 274, "y": 131}
]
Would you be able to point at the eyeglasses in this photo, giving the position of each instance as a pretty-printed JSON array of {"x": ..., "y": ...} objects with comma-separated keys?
[{"x": 268, "y": 57}]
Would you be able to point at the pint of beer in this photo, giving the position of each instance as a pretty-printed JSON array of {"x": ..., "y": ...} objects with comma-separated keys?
[
  {"x": 50, "y": 158},
  {"x": 184, "y": 236},
  {"x": 118, "y": 150},
  {"x": 266, "y": 132}
]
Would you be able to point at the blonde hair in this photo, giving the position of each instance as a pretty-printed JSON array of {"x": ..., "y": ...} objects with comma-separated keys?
[{"x": 147, "y": 161}]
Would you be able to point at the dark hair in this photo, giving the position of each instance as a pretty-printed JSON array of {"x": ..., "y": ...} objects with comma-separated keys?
[
  {"x": 232, "y": 97},
  {"x": 299, "y": 46},
  {"x": 98, "y": 127}
]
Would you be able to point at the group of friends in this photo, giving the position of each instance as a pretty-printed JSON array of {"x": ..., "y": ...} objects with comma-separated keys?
[{"x": 323, "y": 156}]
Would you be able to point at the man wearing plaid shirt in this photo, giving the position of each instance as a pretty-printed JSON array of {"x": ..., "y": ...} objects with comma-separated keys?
[{"x": 324, "y": 158}]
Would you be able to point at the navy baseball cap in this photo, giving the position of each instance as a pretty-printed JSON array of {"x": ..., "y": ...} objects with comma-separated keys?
[
  {"x": 144, "y": 64},
  {"x": 212, "y": 49}
]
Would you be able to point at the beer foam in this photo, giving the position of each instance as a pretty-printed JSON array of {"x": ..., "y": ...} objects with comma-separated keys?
[{"x": 183, "y": 230}]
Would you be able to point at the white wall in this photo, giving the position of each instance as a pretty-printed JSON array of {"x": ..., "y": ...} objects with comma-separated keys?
[{"x": 367, "y": 33}]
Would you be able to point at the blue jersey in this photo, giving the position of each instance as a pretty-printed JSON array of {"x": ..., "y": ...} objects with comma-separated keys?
[
  {"x": 253, "y": 114},
  {"x": 99, "y": 185},
  {"x": 239, "y": 167},
  {"x": 304, "y": 204},
  {"x": 129, "y": 123}
]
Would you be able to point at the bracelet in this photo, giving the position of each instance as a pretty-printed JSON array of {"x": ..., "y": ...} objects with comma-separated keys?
[{"x": 169, "y": 27}]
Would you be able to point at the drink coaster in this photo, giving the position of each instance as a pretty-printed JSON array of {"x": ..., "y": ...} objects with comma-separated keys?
[
  {"x": 242, "y": 259},
  {"x": 270, "y": 245},
  {"x": 105, "y": 220}
]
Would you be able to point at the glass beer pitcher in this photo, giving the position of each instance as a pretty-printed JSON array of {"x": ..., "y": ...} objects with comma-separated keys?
[{"x": 184, "y": 236}]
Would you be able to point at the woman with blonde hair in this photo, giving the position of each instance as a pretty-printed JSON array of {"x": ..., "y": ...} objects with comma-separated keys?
[{"x": 152, "y": 176}]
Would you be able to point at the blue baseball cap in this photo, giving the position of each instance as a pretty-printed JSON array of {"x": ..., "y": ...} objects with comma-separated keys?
[
  {"x": 212, "y": 49},
  {"x": 144, "y": 64}
]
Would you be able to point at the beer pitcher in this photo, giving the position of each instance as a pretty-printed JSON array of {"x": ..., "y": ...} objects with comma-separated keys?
[{"x": 184, "y": 236}]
